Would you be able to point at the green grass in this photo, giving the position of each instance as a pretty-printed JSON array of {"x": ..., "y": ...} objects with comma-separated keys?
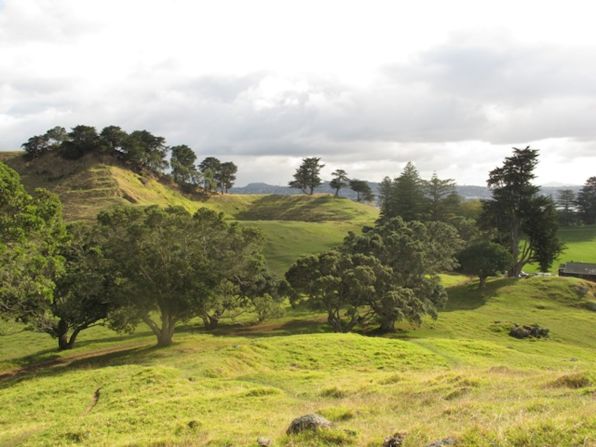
[{"x": 460, "y": 376}]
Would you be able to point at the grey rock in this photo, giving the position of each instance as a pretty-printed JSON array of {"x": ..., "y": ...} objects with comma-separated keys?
[
  {"x": 395, "y": 440},
  {"x": 534, "y": 331},
  {"x": 442, "y": 442},
  {"x": 264, "y": 442},
  {"x": 307, "y": 422}
]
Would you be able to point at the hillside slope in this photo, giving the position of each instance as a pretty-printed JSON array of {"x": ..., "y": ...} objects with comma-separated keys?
[
  {"x": 461, "y": 376},
  {"x": 293, "y": 226}
]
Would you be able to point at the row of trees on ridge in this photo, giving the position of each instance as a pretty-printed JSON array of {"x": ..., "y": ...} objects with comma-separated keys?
[{"x": 141, "y": 150}]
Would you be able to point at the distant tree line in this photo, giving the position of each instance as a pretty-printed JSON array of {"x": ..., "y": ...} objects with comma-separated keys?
[
  {"x": 307, "y": 178},
  {"x": 139, "y": 149},
  {"x": 580, "y": 208}
]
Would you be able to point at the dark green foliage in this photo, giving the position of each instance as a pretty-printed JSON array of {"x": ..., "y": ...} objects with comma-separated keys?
[
  {"x": 524, "y": 221},
  {"x": 144, "y": 150},
  {"x": 415, "y": 252},
  {"x": 340, "y": 180},
  {"x": 338, "y": 283},
  {"x": 442, "y": 198},
  {"x": 84, "y": 291},
  {"x": 307, "y": 176},
  {"x": 226, "y": 176},
  {"x": 31, "y": 231},
  {"x": 404, "y": 196},
  {"x": 177, "y": 266},
  {"x": 586, "y": 201},
  {"x": 362, "y": 190},
  {"x": 209, "y": 168},
  {"x": 38, "y": 145},
  {"x": 182, "y": 161},
  {"x": 386, "y": 275},
  {"x": 113, "y": 139},
  {"x": 80, "y": 140},
  {"x": 484, "y": 259}
]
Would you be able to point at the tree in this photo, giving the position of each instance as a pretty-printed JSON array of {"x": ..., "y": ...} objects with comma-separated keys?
[
  {"x": 443, "y": 200},
  {"x": 31, "y": 232},
  {"x": 83, "y": 294},
  {"x": 524, "y": 221},
  {"x": 226, "y": 176},
  {"x": 340, "y": 180},
  {"x": 337, "y": 283},
  {"x": 182, "y": 161},
  {"x": 404, "y": 196},
  {"x": 415, "y": 253},
  {"x": 145, "y": 150},
  {"x": 307, "y": 176},
  {"x": 484, "y": 259},
  {"x": 566, "y": 203},
  {"x": 170, "y": 263},
  {"x": 39, "y": 145},
  {"x": 113, "y": 139},
  {"x": 586, "y": 201},
  {"x": 81, "y": 140},
  {"x": 362, "y": 190},
  {"x": 210, "y": 168}
]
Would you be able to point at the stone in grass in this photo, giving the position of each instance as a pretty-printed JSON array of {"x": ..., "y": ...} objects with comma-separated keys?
[
  {"x": 395, "y": 440},
  {"x": 308, "y": 422},
  {"x": 442, "y": 442},
  {"x": 264, "y": 442},
  {"x": 534, "y": 331}
]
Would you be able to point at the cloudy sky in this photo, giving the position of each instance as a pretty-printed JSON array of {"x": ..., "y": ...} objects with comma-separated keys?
[{"x": 366, "y": 85}]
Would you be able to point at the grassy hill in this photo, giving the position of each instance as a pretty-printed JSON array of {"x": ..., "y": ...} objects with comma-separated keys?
[
  {"x": 461, "y": 376},
  {"x": 293, "y": 226}
]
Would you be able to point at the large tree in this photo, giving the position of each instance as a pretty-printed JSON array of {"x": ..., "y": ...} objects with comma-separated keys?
[
  {"x": 586, "y": 201},
  {"x": 182, "y": 162},
  {"x": 226, "y": 176},
  {"x": 209, "y": 168},
  {"x": 416, "y": 253},
  {"x": 171, "y": 263},
  {"x": 144, "y": 150},
  {"x": 524, "y": 221},
  {"x": 340, "y": 180},
  {"x": 442, "y": 198},
  {"x": 307, "y": 176},
  {"x": 31, "y": 233},
  {"x": 113, "y": 139},
  {"x": 81, "y": 140},
  {"x": 404, "y": 196},
  {"x": 38, "y": 145},
  {"x": 337, "y": 283},
  {"x": 484, "y": 259},
  {"x": 84, "y": 290},
  {"x": 362, "y": 190}
]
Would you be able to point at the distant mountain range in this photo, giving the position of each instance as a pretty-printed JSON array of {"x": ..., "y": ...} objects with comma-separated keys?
[{"x": 466, "y": 191}]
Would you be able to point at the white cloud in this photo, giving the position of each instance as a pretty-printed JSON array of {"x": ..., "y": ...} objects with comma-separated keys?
[{"x": 368, "y": 86}]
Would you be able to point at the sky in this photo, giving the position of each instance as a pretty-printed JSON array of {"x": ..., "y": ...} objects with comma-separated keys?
[{"x": 366, "y": 85}]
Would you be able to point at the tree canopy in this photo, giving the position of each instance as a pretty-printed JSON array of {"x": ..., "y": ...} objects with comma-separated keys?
[
  {"x": 586, "y": 201},
  {"x": 307, "y": 176},
  {"x": 484, "y": 259},
  {"x": 524, "y": 221}
]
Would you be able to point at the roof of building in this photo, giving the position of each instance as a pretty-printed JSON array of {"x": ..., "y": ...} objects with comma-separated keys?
[{"x": 581, "y": 268}]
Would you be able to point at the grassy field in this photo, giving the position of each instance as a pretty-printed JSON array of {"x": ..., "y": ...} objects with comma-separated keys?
[{"x": 460, "y": 376}]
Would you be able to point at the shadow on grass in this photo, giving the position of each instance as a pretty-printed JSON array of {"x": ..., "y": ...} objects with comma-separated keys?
[{"x": 469, "y": 297}]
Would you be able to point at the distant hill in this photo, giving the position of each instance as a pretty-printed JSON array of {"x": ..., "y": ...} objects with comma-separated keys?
[{"x": 466, "y": 191}]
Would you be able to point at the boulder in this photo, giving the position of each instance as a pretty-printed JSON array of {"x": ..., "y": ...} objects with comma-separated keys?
[
  {"x": 395, "y": 440},
  {"x": 442, "y": 442},
  {"x": 533, "y": 331},
  {"x": 307, "y": 422},
  {"x": 264, "y": 442}
]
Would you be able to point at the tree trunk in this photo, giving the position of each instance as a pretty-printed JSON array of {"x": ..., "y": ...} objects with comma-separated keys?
[
  {"x": 210, "y": 321},
  {"x": 387, "y": 325},
  {"x": 64, "y": 342},
  {"x": 337, "y": 192},
  {"x": 165, "y": 333},
  {"x": 482, "y": 282}
]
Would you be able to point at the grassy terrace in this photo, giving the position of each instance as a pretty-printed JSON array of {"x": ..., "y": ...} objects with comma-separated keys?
[{"x": 460, "y": 376}]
